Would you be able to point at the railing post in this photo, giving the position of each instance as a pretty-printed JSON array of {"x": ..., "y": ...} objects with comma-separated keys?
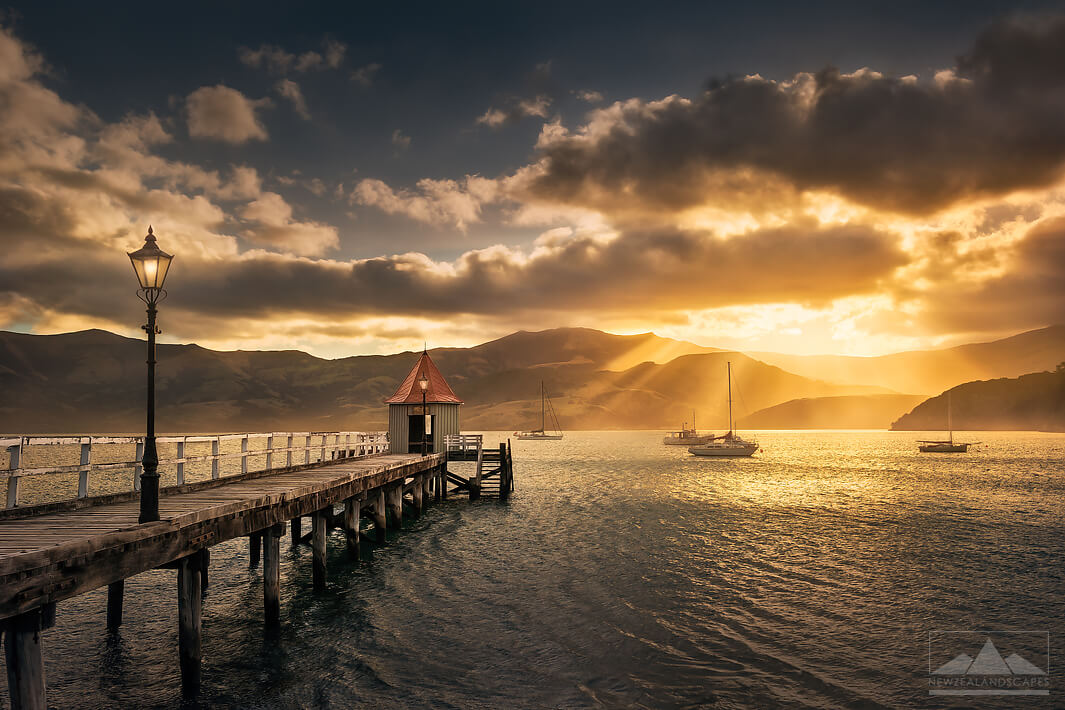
[
  {"x": 138, "y": 457},
  {"x": 14, "y": 454},
  {"x": 269, "y": 452},
  {"x": 180, "y": 463},
  {"x": 214, "y": 458},
  {"x": 307, "y": 451},
  {"x": 244, "y": 454},
  {"x": 325, "y": 437},
  {"x": 288, "y": 460},
  {"x": 83, "y": 475}
]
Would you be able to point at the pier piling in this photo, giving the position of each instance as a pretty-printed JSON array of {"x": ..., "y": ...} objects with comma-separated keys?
[
  {"x": 25, "y": 664},
  {"x": 297, "y": 531},
  {"x": 115, "y": 593},
  {"x": 255, "y": 542},
  {"x": 272, "y": 575},
  {"x": 190, "y": 608},
  {"x": 351, "y": 526},
  {"x": 319, "y": 523},
  {"x": 379, "y": 522},
  {"x": 416, "y": 496},
  {"x": 395, "y": 505}
]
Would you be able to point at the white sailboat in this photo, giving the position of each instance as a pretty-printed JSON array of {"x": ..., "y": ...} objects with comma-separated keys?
[
  {"x": 949, "y": 446},
  {"x": 730, "y": 444},
  {"x": 542, "y": 434},
  {"x": 686, "y": 436}
]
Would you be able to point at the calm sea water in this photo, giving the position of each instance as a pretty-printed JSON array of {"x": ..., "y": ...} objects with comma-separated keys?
[{"x": 624, "y": 573}]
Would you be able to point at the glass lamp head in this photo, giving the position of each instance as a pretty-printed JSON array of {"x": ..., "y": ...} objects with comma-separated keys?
[{"x": 150, "y": 263}]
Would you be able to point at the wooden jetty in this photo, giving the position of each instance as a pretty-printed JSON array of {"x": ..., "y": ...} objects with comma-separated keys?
[{"x": 57, "y": 550}]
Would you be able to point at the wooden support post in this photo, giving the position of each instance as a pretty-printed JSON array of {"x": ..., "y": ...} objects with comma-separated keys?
[
  {"x": 190, "y": 606},
  {"x": 427, "y": 494},
  {"x": 505, "y": 472},
  {"x": 255, "y": 543},
  {"x": 115, "y": 593},
  {"x": 319, "y": 521},
  {"x": 379, "y": 519},
  {"x": 351, "y": 526},
  {"x": 395, "y": 505},
  {"x": 205, "y": 563},
  {"x": 297, "y": 531},
  {"x": 272, "y": 575},
  {"x": 443, "y": 483},
  {"x": 416, "y": 496},
  {"x": 25, "y": 664}
]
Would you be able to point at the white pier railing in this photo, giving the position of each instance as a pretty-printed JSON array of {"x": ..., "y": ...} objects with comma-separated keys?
[
  {"x": 48, "y": 461},
  {"x": 463, "y": 443}
]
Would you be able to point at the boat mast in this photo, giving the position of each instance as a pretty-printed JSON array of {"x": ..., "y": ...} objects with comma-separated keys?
[
  {"x": 542, "y": 420},
  {"x": 950, "y": 420},
  {"x": 695, "y": 429},
  {"x": 730, "y": 397}
]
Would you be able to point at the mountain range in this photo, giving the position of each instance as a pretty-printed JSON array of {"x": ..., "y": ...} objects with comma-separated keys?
[
  {"x": 930, "y": 372},
  {"x": 93, "y": 381}
]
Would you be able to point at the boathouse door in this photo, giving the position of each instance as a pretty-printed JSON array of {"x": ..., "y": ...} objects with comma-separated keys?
[{"x": 416, "y": 425}]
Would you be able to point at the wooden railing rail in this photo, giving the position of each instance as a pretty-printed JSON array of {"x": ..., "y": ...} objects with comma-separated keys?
[{"x": 325, "y": 444}]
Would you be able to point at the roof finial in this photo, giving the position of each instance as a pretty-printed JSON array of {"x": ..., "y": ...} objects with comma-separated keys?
[
  {"x": 425, "y": 347},
  {"x": 149, "y": 229}
]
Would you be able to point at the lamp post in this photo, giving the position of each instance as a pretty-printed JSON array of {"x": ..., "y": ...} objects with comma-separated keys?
[
  {"x": 150, "y": 263},
  {"x": 423, "y": 382}
]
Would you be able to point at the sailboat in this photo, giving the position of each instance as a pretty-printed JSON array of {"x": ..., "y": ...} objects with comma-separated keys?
[
  {"x": 949, "y": 446},
  {"x": 541, "y": 434},
  {"x": 686, "y": 436},
  {"x": 730, "y": 444}
]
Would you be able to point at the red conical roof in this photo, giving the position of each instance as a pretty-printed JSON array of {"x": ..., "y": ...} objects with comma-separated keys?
[{"x": 410, "y": 392}]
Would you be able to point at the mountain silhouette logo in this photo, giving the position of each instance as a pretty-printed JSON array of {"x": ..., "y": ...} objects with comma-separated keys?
[
  {"x": 982, "y": 669},
  {"x": 988, "y": 662}
]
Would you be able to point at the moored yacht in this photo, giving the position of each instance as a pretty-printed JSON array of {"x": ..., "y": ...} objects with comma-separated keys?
[
  {"x": 730, "y": 444},
  {"x": 686, "y": 436},
  {"x": 542, "y": 434},
  {"x": 949, "y": 446}
]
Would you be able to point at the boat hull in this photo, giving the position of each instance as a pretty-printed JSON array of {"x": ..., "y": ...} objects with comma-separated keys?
[
  {"x": 732, "y": 450},
  {"x": 943, "y": 448},
  {"x": 538, "y": 437},
  {"x": 690, "y": 441}
]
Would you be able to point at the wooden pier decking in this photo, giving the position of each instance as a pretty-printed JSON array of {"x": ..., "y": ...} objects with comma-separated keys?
[{"x": 56, "y": 552}]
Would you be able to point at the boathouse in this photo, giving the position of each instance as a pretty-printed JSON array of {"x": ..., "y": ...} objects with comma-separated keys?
[{"x": 408, "y": 421}]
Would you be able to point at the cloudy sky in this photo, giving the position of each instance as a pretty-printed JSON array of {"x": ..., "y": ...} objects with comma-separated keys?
[{"x": 798, "y": 177}]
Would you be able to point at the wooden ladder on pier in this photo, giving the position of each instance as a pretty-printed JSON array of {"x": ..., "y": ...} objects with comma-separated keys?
[{"x": 494, "y": 475}]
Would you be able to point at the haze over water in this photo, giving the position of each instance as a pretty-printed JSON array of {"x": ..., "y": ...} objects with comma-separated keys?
[{"x": 625, "y": 573}]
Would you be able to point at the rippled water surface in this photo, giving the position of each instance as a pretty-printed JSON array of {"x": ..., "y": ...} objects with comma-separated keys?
[{"x": 624, "y": 573}]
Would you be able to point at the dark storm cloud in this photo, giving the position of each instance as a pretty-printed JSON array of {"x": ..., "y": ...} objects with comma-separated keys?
[
  {"x": 650, "y": 270},
  {"x": 994, "y": 124},
  {"x": 1031, "y": 292}
]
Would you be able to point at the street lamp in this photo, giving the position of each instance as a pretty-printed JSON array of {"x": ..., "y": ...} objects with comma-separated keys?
[
  {"x": 423, "y": 382},
  {"x": 150, "y": 263}
]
